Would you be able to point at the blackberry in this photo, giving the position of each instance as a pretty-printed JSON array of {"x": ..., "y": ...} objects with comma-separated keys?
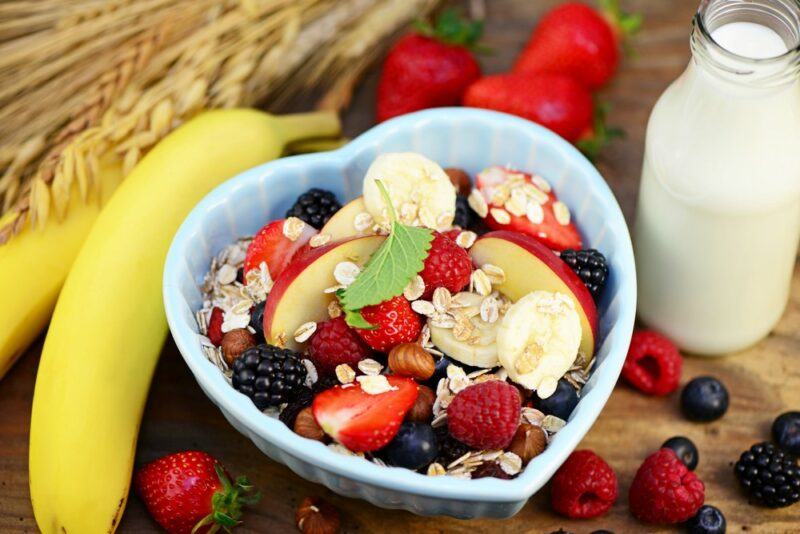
[
  {"x": 257, "y": 318},
  {"x": 590, "y": 265},
  {"x": 268, "y": 375},
  {"x": 315, "y": 206},
  {"x": 769, "y": 475},
  {"x": 490, "y": 469},
  {"x": 302, "y": 399},
  {"x": 450, "y": 449}
]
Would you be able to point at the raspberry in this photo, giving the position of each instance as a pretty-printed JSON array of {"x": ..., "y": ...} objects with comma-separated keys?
[
  {"x": 485, "y": 415},
  {"x": 214, "y": 330},
  {"x": 335, "y": 343},
  {"x": 447, "y": 265},
  {"x": 664, "y": 491},
  {"x": 584, "y": 487},
  {"x": 395, "y": 323},
  {"x": 653, "y": 364}
]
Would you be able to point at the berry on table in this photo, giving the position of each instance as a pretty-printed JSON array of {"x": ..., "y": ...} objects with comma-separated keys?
[
  {"x": 707, "y": 520},
  {"x": 413, "y": 446},
  {"x": 664, "y": 491},
  {"x": 335, "y": 343},
  {"x": 395, "y": 322},
  {"x": 562, "y": 402},
  {"x": 653, "y": 364},
  {"x": 585, "y": 486},
  {"x": 786, "y": 432},
  {"x": 769, "y": 475},
  {"x": 268, "y": 375},
  {"x": 485, "y": 415},
  {"x": 190, "y": 491},
  {"x": 315, "y": 206},
  {"x": 590, "y": 265},
  {"x": 684, "y": 449},
  {"x": 704, "y": 399},
  {"x": 447, "y": 265}
]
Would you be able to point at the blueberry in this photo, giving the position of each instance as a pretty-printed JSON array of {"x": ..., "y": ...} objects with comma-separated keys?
[
  {"x": 257, "y": 318},
  {"x": 413, "y": 447},
  {"x": 684, "y": 449},
  {"x": 708, "y": 520},
  {"x": 704, "y": 399},
  {"x": 786, "y": 432},
  {"x": 561, "y": 402}
]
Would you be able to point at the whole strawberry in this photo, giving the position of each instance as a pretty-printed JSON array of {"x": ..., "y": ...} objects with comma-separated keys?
[
  {"x": 394, "y": 322},
  {"x": 429, "y": 68},
  {"x": 578, "y": 41},
  {"x": 190, "y": 492},
  {"x": 555, "y": 101},
  {"x": 664, "y": 491}
]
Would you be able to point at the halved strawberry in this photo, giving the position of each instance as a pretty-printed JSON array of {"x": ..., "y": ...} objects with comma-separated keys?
[
  {"x": 543, "y": 225},
  {"x": 271, "y": 245},
  {"x": 360, "y": 421}
]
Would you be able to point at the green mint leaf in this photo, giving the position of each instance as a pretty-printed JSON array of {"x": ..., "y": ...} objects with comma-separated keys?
[
  {"x": 354, "y": 319},
  {"x": 390, "y": 268}
]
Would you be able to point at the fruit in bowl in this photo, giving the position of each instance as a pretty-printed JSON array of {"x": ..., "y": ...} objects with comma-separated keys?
[
  {"x": 468, "y": 141},
  {"x": 356, "y": 307}
]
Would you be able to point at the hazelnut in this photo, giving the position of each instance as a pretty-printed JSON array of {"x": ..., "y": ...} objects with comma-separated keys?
[
  {"x": 410, "y": 359},
  {"x": 305, "y": 425},
  {"x": 528, "y": 442},
  {"x": 315, "y": 516},
  {"x": 422, "y": 411},
  {"x": 235, "y": 342},
  {"x": 460, "y": 179}
]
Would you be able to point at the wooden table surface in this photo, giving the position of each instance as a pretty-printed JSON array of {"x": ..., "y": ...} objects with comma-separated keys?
[{"x": 763, "y": 381}]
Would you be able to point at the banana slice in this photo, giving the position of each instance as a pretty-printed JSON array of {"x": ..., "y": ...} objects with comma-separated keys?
[
  {"x": 420, "y": 190},
  {"x": 538, "y": 340},
  {"x": 480, "y": 350}
]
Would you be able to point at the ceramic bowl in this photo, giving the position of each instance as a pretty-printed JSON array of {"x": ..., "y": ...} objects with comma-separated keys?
[{"x": 468, "y": 138}]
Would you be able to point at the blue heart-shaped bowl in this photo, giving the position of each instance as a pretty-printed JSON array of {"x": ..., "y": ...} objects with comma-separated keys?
[{"x": 459, "y": 137}]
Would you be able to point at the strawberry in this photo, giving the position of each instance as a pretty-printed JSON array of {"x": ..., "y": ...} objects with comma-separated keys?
[
  {"x": 190, "y": 492},
  {"x": 447, "y": 265},
  {"x": 214, "y": 329},
  {"x": 429, "y": 68},
  {"x": 540, "y": 224},
  {"x": 575, "y": 40},
  {"x": 361, "y": 421},
  {"x": 555, "y": 101},
  {"x": 394, "y": 322},
  {"x": 271, "y": 245}
]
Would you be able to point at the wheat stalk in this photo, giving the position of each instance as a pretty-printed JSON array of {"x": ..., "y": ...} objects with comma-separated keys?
[{"x": 113, "y": 78}]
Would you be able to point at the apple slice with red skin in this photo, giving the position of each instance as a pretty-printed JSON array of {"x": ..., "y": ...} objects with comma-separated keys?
[
  {"x": 298, "y": 297},
  {"x": 529, "y": 266},
  {"x": 342, "y": 224}
]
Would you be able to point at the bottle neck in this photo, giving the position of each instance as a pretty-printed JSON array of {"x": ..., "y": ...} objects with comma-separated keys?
[{"x": 770, "y": 66}]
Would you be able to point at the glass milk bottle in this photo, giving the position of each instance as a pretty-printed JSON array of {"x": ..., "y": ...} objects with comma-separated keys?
[{"x": 718, "y": 220}]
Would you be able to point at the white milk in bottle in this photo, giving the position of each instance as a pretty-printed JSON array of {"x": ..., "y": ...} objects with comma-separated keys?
[{"x": 718, "y": 220}]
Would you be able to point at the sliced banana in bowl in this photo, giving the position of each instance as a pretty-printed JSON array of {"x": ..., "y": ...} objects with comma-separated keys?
[
  {"x": 421, "y": 192},
  {"x": 538, "y": 339},
  {"x": 478, "y": 349}
]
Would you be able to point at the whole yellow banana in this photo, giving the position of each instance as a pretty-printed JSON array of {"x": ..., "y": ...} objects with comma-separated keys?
[
  {"x": 34, "y": 264},
  {"x": 109, "y": 325}
]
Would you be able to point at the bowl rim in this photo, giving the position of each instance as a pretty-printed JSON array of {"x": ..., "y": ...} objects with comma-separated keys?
[{"x": 270, "y": 429}]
